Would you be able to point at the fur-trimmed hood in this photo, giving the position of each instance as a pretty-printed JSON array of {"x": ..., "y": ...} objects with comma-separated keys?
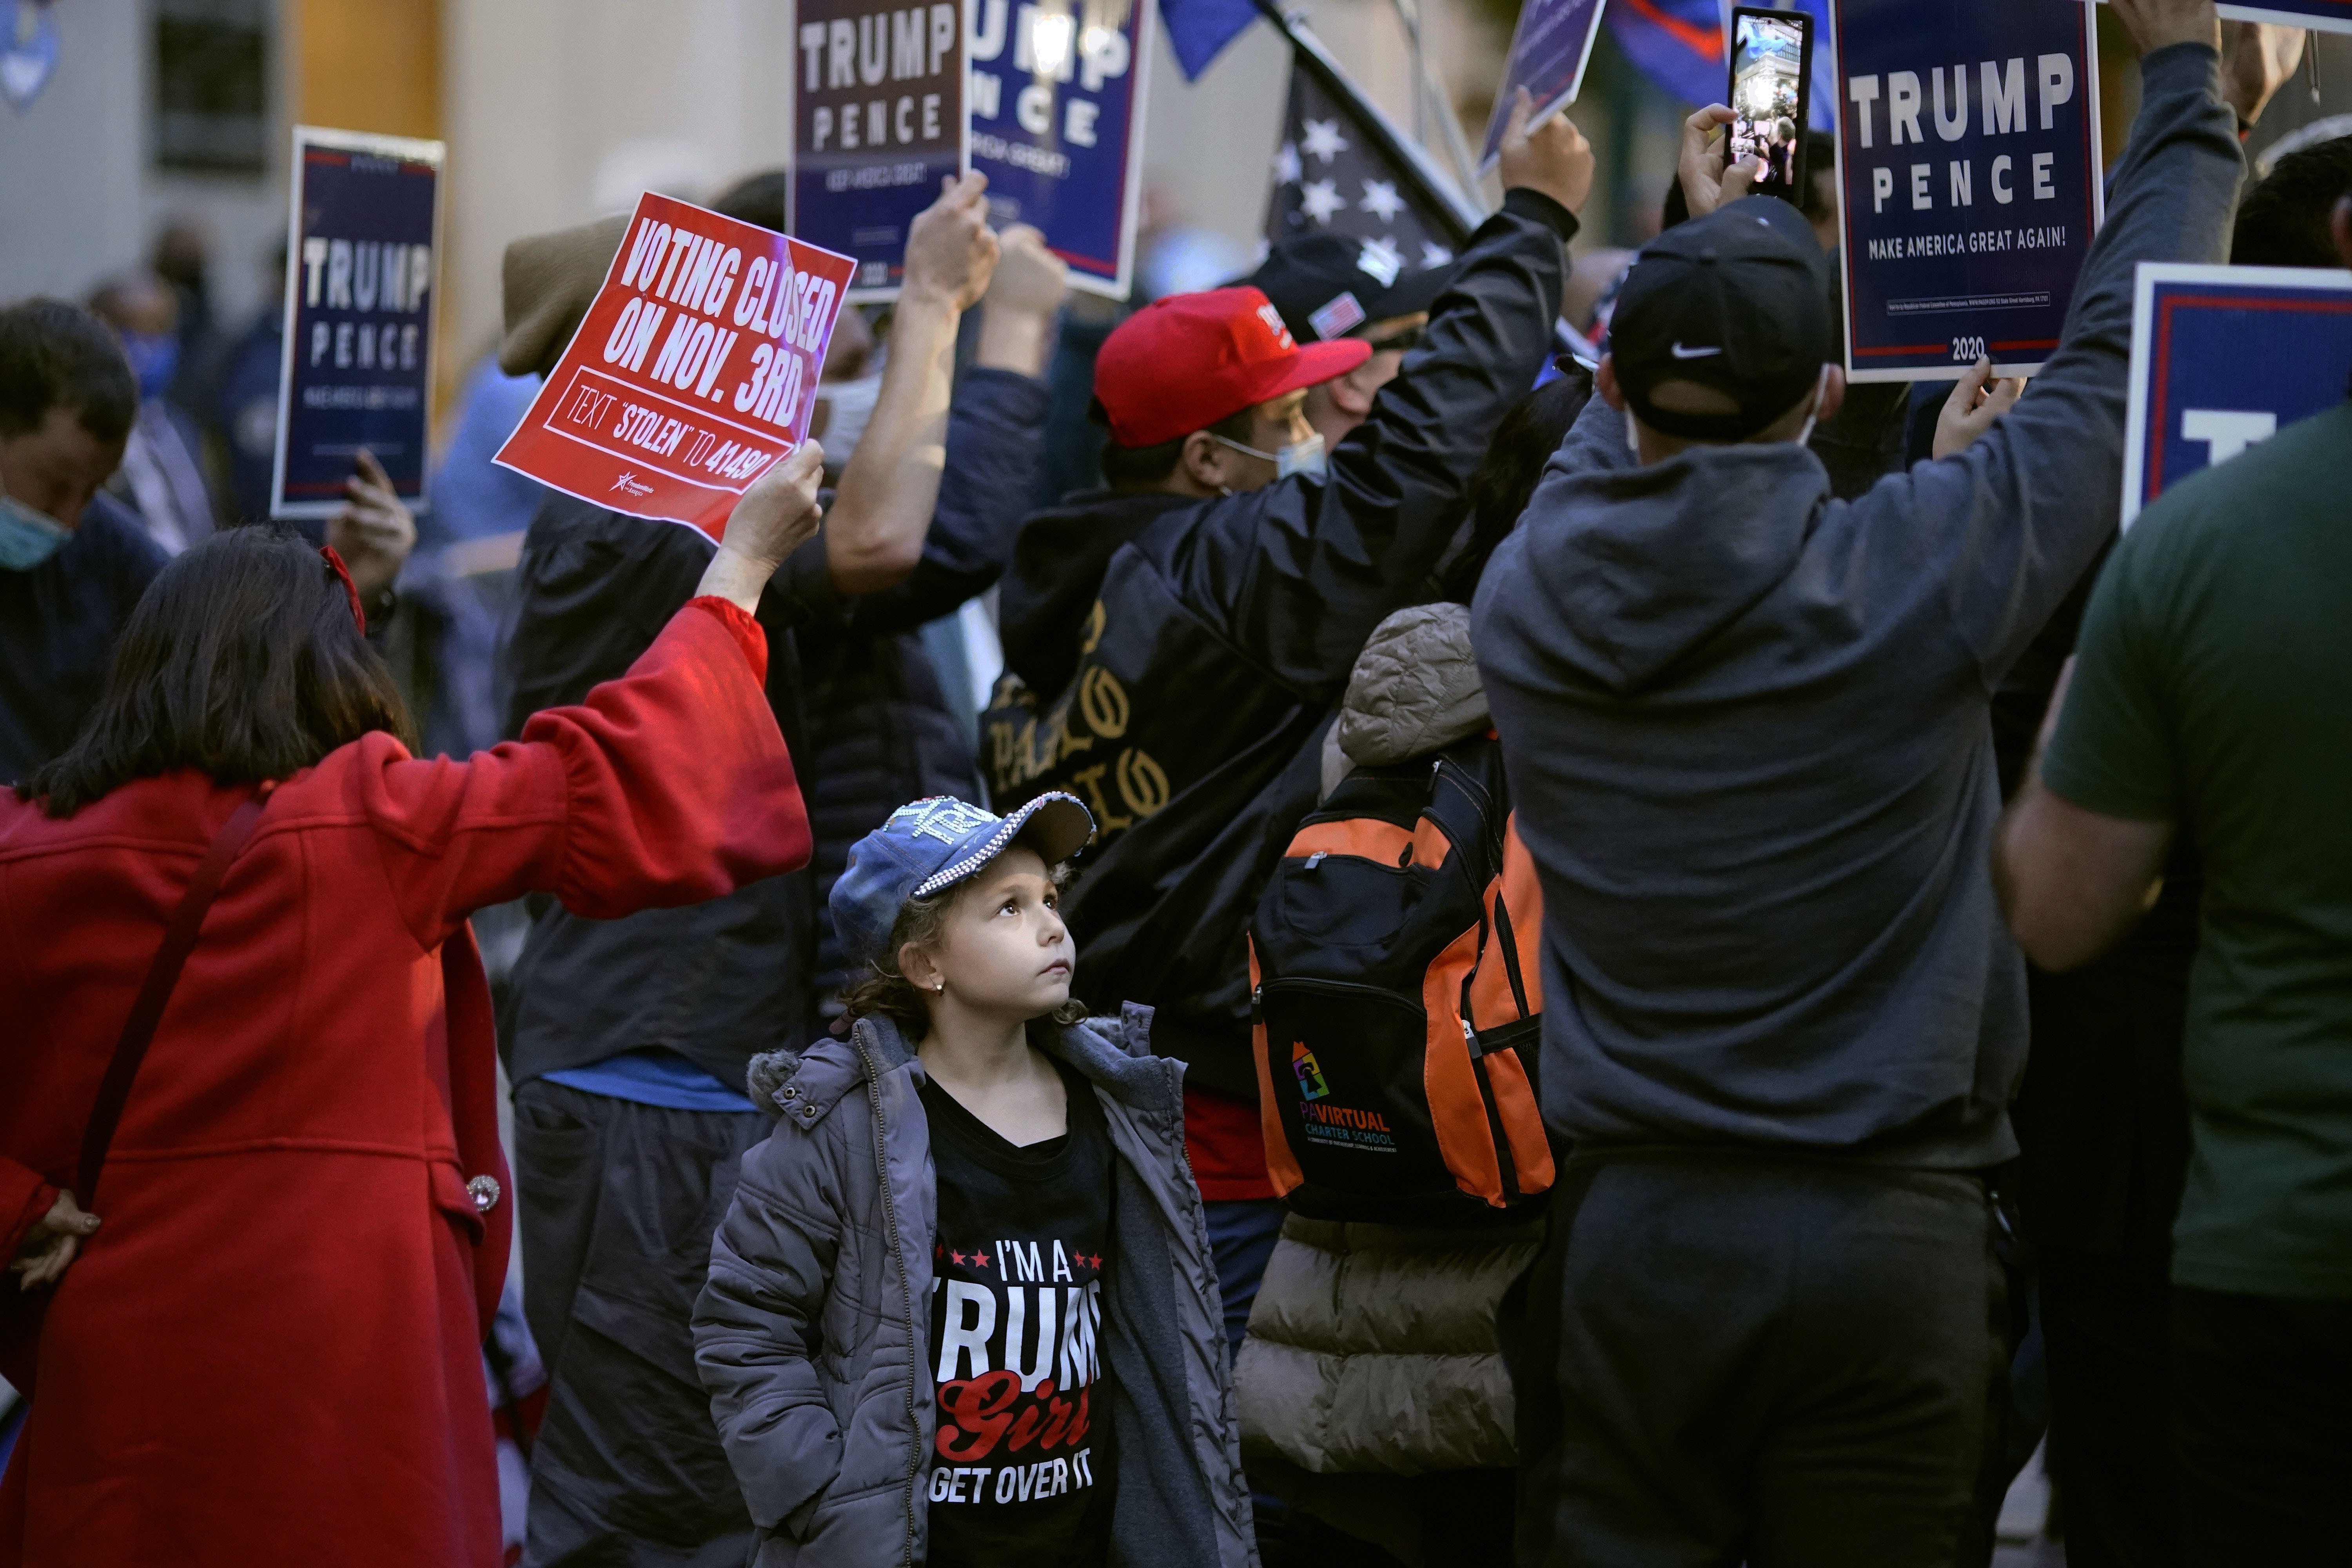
[{"x": 1102, "y": 1049}]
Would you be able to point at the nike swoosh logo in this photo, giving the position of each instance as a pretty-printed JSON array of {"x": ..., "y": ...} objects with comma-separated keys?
[{"x": 1682, "y": 353}]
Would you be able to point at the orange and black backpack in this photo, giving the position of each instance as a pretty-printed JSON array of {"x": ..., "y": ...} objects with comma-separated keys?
[{"x": 1396, "y": 996}]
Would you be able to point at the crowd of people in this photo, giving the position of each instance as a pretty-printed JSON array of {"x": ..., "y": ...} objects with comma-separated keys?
[{"x": 1027, "y": 1131}]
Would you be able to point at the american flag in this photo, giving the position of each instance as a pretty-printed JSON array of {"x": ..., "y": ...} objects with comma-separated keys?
[{"x": 1338, "y": 172}]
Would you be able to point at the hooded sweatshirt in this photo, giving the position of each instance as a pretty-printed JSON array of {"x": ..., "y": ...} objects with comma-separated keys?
[{"x": 1746, "y": 729}]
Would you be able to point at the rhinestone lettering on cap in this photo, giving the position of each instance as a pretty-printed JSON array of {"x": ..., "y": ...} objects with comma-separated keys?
[{"x": 940, "y": 816}]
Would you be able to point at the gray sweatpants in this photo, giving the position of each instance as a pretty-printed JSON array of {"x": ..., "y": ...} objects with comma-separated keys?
[
  {"x": 1790, "y": 1364},
  {"x": 617, "y": 1201}
]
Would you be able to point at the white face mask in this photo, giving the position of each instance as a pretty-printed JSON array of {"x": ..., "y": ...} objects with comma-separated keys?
[
  {"x": 1813, "y": 416},
  {"x": 1298, "y": 458},
  {"x": 852, "y": 403}
]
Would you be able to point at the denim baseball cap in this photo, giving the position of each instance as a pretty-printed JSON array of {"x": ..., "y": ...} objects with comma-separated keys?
[{"x": 932, "y": 844}]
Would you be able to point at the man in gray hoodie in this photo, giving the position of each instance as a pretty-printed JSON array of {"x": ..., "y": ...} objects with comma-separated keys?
[{"x": 1746, "y": 729}]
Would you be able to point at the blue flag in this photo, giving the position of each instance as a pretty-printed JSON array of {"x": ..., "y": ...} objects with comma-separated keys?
[
  {"x": 1679, "y": 44},
  {"x": 1198, "y": 29}
]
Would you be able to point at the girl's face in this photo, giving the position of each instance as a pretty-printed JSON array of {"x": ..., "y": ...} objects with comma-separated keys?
[{"x": 1005, "y": 951}]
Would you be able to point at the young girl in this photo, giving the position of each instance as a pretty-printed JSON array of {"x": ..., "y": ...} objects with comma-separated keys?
[{"x": 960, "y": 1309}]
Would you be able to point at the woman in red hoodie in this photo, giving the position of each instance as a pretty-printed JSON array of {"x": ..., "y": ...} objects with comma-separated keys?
[{"x": 268, "y": 1354}]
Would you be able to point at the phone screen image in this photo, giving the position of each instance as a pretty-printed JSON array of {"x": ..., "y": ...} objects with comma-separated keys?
[{"x": 1768, "y": 91}]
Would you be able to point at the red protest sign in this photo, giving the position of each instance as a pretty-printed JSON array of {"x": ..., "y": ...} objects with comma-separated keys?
[{"x": 693, "y": 371}]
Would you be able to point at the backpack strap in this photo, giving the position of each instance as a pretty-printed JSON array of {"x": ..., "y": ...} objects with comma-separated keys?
[{"x": 178, "y": 940}]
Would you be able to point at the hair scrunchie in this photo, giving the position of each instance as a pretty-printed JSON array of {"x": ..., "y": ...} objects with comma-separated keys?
[{"x": 351, "y": 590}]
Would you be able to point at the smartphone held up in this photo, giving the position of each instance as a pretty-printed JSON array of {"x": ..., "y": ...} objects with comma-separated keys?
[{"x": 1770, "y": 95}]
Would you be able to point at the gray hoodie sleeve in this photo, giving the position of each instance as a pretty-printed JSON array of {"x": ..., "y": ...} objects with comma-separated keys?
[
  {"x": 2009, "y": 525},
  {"x": 1596, "y": 441}
]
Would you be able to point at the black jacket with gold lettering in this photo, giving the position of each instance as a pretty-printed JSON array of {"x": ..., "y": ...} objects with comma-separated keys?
[{"x": 1174, "y": 663}]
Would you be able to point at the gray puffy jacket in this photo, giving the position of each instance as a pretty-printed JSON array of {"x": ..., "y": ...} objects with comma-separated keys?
[{"x": 812, "y": 1334}]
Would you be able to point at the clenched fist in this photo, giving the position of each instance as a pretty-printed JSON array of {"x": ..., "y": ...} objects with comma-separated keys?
[{"x": 950, "y": 251}]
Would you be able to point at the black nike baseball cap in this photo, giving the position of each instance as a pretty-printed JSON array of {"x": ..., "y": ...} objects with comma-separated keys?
[
  {"x": 1325, "y": 286},
  {"x": 1738, "y": 300}
]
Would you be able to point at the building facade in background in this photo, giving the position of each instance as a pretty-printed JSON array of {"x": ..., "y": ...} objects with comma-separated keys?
[{"x": 557, "y": 111}]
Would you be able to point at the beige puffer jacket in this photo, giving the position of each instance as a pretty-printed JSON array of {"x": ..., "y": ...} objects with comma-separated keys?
[
  {"x": 1371, "y": 1349},
  {"x": 1414, "y": 689}
]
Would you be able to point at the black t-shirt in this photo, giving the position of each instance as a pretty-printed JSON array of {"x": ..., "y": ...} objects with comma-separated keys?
[{"x": 1021, "y": 1469}]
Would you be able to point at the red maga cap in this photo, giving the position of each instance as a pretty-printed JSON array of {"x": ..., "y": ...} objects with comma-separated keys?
[{"x": 1181, "y": 364}]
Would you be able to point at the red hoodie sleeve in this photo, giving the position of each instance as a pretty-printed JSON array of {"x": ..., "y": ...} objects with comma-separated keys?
[{"x": 667, "y": 786}]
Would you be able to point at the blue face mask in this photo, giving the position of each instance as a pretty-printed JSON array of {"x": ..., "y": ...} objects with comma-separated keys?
[
  {"x": 1298, "y": 458},
  {"x": 154, "y": 357},
  {"x": 28, "y": 537}
]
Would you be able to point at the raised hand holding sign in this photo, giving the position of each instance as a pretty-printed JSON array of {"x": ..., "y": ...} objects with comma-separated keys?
[
  {"x": 693, "y": 371},
  {"x": 1968, "y": 178}
]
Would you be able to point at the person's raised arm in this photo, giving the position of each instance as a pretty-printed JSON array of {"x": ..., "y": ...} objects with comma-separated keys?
[
  {"x": 996, "y": 429},
  {"x": 2011, "y": 522},
  {"x": 373, "y": 531},
  {"x": 884, "y": 506},
  {"x": 2257, "y": 59},
  {"x": 1022, "y": 305},
  {"x": 777, "y": 514},
  {"x": 1299, "y": 573},
  {"x": 667, "y": 787}
]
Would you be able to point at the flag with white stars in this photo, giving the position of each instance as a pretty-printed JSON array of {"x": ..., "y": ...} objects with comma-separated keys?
[{"x": 1334, "y": 173}]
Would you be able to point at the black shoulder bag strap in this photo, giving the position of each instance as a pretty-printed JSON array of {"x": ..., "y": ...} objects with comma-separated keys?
[{"x": 138, "y": 1029}]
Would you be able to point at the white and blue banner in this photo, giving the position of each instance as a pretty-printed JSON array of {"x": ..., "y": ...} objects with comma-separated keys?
[
  {"x": 1968, "y": 180},
  {"x": 357, "y": 370},
  {"x": 877, "y": 122},
  {"x": 1550, "y": 47},
  {"x": 1056, "y": 94},
  {"x": 2223, "y": 357}
]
